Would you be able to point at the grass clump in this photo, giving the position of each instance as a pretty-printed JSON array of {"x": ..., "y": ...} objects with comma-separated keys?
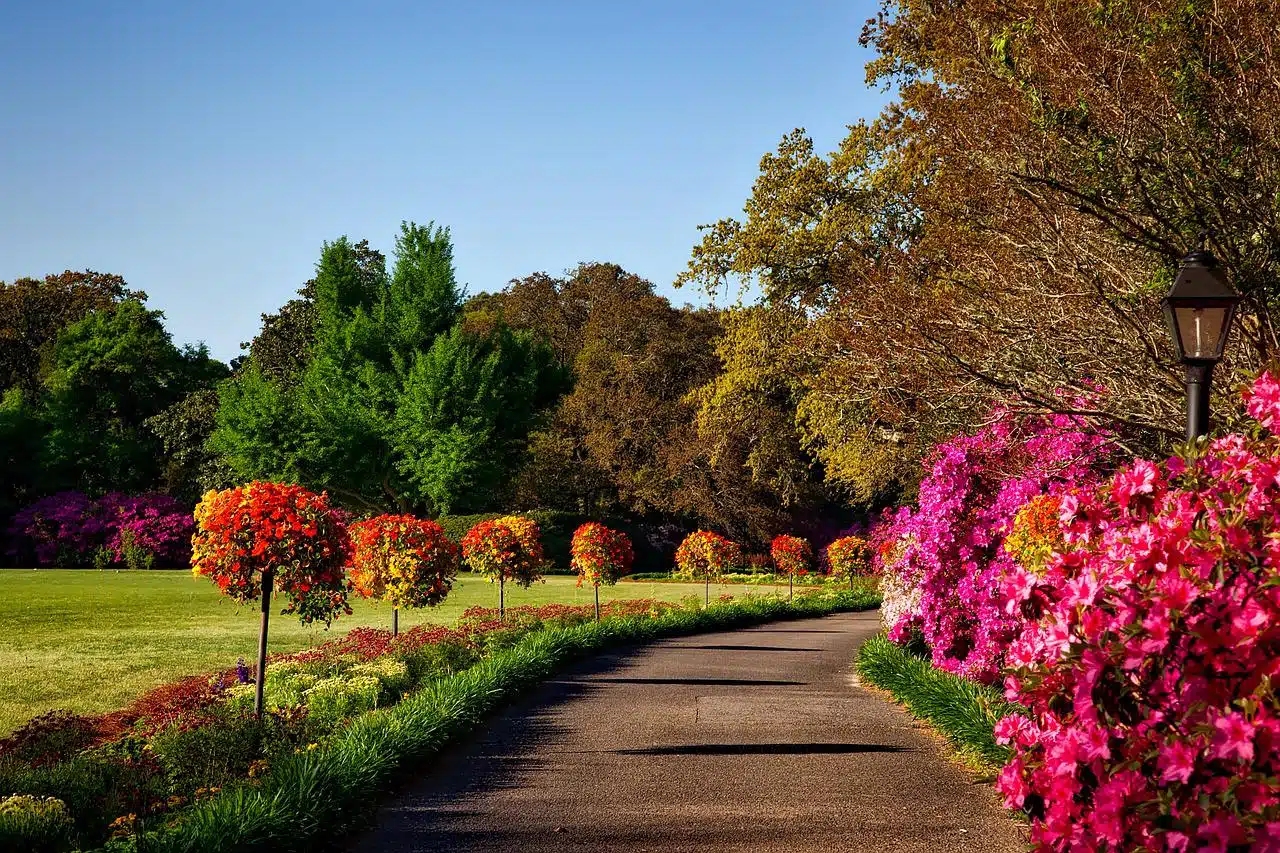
[{"x": 962, "y": 710}]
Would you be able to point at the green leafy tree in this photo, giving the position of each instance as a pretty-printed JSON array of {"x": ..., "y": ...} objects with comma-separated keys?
[
  {"x": 282, "y": 349},
  {"x": 257, "y": 431},
  {"x": 34, "y": 311},
  {"x": 111, "y": 371},
  {"x": 385, "y": 360},
  {"x": 190, "y": 468},
  {"x": 21, "y": 435},
  {"x": 469, "y": 405}
]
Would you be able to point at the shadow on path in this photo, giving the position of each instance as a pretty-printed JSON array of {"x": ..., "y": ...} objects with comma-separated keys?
[
  {"x": 751, "y": 648},
  {"x": 673, "y": 749},
  {"x": 699, "y": 682},
  {"x": 764, "y": 749}
]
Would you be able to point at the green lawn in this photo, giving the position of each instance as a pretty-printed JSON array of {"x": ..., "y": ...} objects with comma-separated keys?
[{"x": 91, "y": 641}]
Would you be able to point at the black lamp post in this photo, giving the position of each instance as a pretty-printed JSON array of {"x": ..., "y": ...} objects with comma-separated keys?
[{"x": 1200, "y": 308}]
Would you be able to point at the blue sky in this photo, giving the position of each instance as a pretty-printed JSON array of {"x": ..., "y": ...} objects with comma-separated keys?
[{"x": 206, "y": 151}]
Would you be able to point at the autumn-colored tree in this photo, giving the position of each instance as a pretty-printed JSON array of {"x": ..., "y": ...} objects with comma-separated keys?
[
  {"x": 34, "y": 311},
  {"x": 792, "y": 556},
  {"x": 502, "y": 549},
  {"x": 628, "y": 436},
  {"x": 849, "y": 557},
  {"x": 634, "y": 358},
  {"x": 1008, "y": 226},
  {"x": 705, "y": 556}
]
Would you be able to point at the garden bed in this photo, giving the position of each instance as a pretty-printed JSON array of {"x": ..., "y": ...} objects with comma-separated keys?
[{"x": 195, "y": 770}]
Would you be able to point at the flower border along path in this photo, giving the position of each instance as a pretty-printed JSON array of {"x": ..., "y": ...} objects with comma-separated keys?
[{"x": 312, "y": 796}]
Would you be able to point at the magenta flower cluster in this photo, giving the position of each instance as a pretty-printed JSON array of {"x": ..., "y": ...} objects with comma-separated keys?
[
  {"x": 71, "y": 529},
  {"x": 942, "y": 560},
  {"x": 1150, "y": 672}
]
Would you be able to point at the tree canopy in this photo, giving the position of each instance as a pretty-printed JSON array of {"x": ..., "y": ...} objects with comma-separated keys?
[{"x": 389, "y": 403}]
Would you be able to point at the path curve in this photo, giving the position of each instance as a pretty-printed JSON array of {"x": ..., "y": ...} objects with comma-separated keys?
[{"x": 747, "y": 740}]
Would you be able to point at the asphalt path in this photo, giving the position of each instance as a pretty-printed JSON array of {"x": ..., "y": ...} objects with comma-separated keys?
[{"x": 751, "y": 740}]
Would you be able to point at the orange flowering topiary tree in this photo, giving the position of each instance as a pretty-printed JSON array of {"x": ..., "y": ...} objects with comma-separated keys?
[
  {"x": 704, "y": 555},
  {"x": 255, "y": 537},
  {"x": 507, "y": 548},
  {"x": 405, "y": 561},
  {"x": 850, "y": 557},
  {"x": 600, "y": 555},
  {"x": 792, "y": 556}
]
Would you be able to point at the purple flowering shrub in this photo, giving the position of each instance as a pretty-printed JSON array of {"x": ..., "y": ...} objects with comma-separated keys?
[
  {"x": 70, "y": 529},
  {"x": 1150, "y": 672},
  {"x": 942, "y": 561}
]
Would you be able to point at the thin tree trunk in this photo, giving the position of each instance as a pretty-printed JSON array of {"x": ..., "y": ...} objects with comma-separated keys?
[
  {"x": 395, "y": 621},
  {"x": 268, "y": 581},
  {"x": 502, "y": 598},
  {"x": 597, "y": 602}
]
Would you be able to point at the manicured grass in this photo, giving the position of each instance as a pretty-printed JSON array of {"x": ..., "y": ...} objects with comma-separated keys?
[
  {"x": 92, "y": 641},
  {"x": 961, "y": 710}
]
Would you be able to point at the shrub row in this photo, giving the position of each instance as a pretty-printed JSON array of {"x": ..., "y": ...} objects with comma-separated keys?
[
  {"x": 1132, "y": 616},
  {"x": 651, "y": 546}
]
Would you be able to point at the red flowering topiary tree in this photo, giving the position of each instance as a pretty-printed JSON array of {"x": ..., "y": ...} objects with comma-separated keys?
[
  {"x": 850, "y": 557},
  {"x": 704, "y": 555},
  {"x": 255, "y": 537},
  {"x": 792, "y": 556},
  {"x": 405, "y": 561},
  {"x": 507, "y": 548},
  {"x": 1150, "y": 664},
  {"x": 600, "y": 555}
]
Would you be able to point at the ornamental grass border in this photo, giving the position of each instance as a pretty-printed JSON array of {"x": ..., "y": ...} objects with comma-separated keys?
[{"x": 964, "y": 711}]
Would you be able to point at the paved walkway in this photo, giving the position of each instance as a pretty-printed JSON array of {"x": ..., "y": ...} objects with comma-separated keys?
[{"x": 750, "y": 740}]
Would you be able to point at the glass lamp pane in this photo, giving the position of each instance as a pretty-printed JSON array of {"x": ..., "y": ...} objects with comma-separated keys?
[{"x": 1200, "y": 329}]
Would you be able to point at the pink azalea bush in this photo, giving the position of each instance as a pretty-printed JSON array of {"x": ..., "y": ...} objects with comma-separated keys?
[
  {"x": 1150, "y": 661},
  {"x": 942, "y": 561},
  {"x": 71, "y": 529}
]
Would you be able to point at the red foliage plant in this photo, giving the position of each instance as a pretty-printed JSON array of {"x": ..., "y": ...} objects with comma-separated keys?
[
  {"x": 704, "y": 555},
  {"x": 792, "y": 555},
  {"x": 600, "y": 554},
  {"x": 407, "y": 561},
  {"x": 850, "y": 557},
  {"x": 507, "y": 548},
  {"x": 242, "y": 533}
]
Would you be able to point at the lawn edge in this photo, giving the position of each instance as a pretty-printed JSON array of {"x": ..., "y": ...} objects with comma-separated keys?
[{"x": 296, "y": 806}]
